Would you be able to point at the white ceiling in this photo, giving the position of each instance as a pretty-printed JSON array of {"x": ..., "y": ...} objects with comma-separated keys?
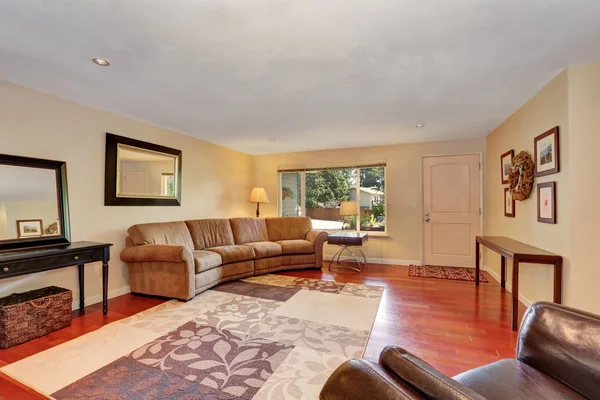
[
  {"x": 27, "y": 184},
  {"x": 312, "y": 74}
]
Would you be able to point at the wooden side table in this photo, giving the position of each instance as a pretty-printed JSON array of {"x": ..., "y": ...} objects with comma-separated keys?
[
  {"x": 518, "y": 253},
  {"x": 347, "y": 241}
]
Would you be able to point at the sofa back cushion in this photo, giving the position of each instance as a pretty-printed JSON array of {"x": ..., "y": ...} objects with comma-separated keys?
[
  {"x": 249, "y": 230},
  {"x": 161, "y": 233},
  {"x": 207, "y": 233},
  {"x": 288, "y": 228}
]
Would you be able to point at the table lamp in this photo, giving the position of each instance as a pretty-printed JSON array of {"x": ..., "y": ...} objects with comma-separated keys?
[
  {"x": 258, "y": 196},
  {"x": 348, "y": 208}
]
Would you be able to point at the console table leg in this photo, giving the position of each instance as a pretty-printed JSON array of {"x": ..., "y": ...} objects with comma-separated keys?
[
  {"x": 558, "y": 282},
  {"x": 81, "y": 273},
  {"x": 476, "y": 263},
  {"x": 515, "y": 295},
  {"x": 104, "y": 288},
  {"x": 503, "y": 272}
]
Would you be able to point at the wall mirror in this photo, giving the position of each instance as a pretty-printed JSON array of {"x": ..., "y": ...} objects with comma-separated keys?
[
  {"x": 139, "y": 173},
  {"x": 34, "y": 208}
]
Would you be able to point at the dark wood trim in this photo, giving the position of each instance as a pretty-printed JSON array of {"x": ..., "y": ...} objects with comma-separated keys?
[
  {"x": 519, "y": 253},
  {"x": 510, "y": 153},
  {"x": 506, "y": 214},
  {"x": 554, "y": 131},
  {"x": 110, "y": 173},
  {"x": 62, "y": 194},
  {"x": 551, "y": 185}
]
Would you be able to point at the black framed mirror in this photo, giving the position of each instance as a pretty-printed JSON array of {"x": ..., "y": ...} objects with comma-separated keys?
[
  {"x": 34, "y": 204},
  {"x": 139, "y": 173}
]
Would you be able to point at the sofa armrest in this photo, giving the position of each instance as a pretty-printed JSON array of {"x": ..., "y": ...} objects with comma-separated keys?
[
  {"x": 360, "y": 379},
  {"x": 423, "y": 377},
  {"x": 318, "y": 239},
  {"x": 157, "y": 252},
  {"x": 562, "y": 342}
]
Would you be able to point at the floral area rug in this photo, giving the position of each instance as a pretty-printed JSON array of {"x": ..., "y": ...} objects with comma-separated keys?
[
  {"x": 452, "y": 273},
  {"x": 265, "y": 337}
]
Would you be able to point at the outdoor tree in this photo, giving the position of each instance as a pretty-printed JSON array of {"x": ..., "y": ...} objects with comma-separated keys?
[
  {"x": 328, "y": 188},
  {"x": 373, "y": 178}
]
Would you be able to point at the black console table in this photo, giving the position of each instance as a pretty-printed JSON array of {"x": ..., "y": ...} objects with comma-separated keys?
[{"x": 29, "y": 261}]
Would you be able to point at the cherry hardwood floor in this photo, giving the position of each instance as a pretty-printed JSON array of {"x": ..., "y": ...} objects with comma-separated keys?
[{"x": 451, "y": 324}]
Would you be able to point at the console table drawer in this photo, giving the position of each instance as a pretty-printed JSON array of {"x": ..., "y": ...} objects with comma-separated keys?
[{"x": 46, "y": 263}]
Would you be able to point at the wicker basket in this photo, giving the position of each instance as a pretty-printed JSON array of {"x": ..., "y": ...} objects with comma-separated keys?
[{"x": 29, "y": 315}]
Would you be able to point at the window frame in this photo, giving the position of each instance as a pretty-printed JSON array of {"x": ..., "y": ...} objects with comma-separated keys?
[{"x": 357, "y": 169}]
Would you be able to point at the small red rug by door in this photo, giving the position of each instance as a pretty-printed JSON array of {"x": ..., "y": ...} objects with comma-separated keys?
[{"x": 452, "y": 273}]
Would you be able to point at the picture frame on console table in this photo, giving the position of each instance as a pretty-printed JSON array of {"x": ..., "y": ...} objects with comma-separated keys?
[
  {"x": 546, "y": 202},
  {"x": 509, "y": 204},
  {"x": 547, "y": 153},
  {"x": 505, "y": 162}
]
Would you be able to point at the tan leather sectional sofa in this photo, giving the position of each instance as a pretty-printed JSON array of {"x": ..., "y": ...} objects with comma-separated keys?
[{"x": 181, "y": 259}]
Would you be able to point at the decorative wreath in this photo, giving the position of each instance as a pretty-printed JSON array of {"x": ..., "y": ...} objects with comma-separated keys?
[{"x": 521, "y": 177}]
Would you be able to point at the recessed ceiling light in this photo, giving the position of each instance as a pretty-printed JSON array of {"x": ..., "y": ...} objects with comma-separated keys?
[
  {"x": 101, "y": 62},
  {"x": 271, "y": 140},
  {"x": 420, "y": 125}
]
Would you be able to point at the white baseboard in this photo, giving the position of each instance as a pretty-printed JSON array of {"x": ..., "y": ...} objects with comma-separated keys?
[
  {"x": 386, "y": 261},
  {"x": 522, "y": 298},
  {"x": 98, "y": 298}
]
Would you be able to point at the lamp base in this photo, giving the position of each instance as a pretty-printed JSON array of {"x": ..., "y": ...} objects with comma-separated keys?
[{"x": 257, "y": 210}]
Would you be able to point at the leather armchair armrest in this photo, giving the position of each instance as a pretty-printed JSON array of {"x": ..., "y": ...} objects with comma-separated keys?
[
  {"x": 318, "y": 239},
  {"x": 317, "y": 236},
  {"x": 360, "y": 379},
  {"x": 157, "y": 252},
  {"x": 423, "y": 377}
]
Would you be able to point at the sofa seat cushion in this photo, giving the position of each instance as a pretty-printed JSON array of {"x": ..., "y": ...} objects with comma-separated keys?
[
  {"x": 265, "y": 249},
  {"x": 297, "y": 246},
  {"x": 205, "y": 260},
  {"x": 512, "y": 379},
  {"x": 234, "y": 253}
]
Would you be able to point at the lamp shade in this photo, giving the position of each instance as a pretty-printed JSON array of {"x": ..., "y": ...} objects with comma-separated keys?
[
  {"x": 348, "y": 208},
  {"x": 258, "y": 195}
]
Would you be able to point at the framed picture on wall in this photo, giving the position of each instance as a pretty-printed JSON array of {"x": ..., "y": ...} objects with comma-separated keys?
[
  {"x": 509, "y": 204},
  {"x": 29, "y": 228},
  {"x": 505, "y": 161},
  {"x": 547, "y": 202},
  {"x": 547, "y": 154}
]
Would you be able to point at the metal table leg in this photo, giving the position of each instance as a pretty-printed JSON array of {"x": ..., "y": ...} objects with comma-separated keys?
[{"x": 347, "y": 249}]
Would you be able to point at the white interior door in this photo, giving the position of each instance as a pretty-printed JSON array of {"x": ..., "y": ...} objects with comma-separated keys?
[
  {"x": 134, "y": 181},
  {"x": 451, "y": 206}
]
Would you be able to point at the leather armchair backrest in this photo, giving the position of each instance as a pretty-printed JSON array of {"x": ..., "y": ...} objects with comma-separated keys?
[
  {"x": 161, "y": 233},
  {"x": 288, "y": 228},
  {"x": 249, "y": 230},
  {"x": 563, "y": 343}
]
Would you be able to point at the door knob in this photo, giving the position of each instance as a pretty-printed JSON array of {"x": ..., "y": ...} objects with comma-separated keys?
[
  {"x": 427, "y": 219},
  {"x": 427, "y": 214}
]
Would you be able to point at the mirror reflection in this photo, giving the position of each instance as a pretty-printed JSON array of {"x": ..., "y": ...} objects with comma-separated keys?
[
  {"x": 28, "y": 203},
  {"x": 145, "y": 173}
]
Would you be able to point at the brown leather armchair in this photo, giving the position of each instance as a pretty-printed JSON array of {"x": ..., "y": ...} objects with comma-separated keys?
[{"x": 558, "y": 357}]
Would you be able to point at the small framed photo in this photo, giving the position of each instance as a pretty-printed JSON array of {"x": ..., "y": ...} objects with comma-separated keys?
[
  {"x": 29, "y": 228},
  {"x": 547, "y": 202},
  {"x": 509, "y": 204},
  {"x": 547, "y": 154},
  {"x": 506, "y": 160}
]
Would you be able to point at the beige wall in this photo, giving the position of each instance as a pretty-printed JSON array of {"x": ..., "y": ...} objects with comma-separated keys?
[
  {"x": 548, "y": 108},
  {"x": 404, "y": 192},
  {"x": 216, "y": 180},
  {"x": 584, "y": 142}
]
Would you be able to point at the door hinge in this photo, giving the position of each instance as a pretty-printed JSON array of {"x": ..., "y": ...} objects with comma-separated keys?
[
  {"x": 479, "y": 210},
  {"x": 480, "y": 165}
]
